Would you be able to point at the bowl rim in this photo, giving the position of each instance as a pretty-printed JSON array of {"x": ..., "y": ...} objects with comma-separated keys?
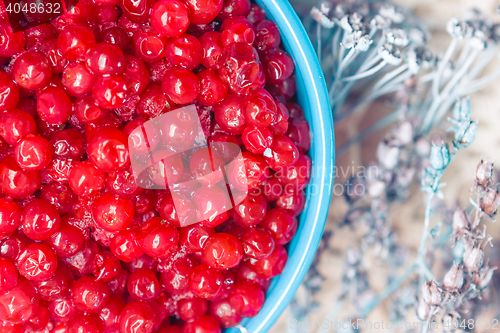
[{"x": 317, "y": 111}]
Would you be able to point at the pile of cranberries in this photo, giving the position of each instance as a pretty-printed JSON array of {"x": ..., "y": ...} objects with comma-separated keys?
[{"x": 83, "y": 247}]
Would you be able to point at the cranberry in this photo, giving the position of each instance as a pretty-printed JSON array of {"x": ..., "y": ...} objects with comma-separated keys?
[
  {"x": 170, "y": 18},
  {"x": 281, "y": 224},
  {"x": 205, "y": 282},
  {"x": 16, "y": 125},
  {"x": 28, "y": 105},
  {"x": 272, "y": 188},
  {"x": 298, "y": 132},
  {"x": 153, "y": 102},
  {"x": 143, "y": 136},
  {"x": 53, "y": 105},
  {"x": 16, "y": 182},
  {"x": 251, "y": 211},
  {"x": 241, "y": 68},
  {"x": 109, "y": 91},
  {"x": 33, "y": 153},
  {"x": 165, "y": 170},
  {"x": 110, "y": 313},
  {"x": 212, "y": 88},
  {"x": 211, "y": 42},
  {"x": 157, "y": 240},
  {"x": 145, "y": 201},
  {"x": 229, "y": 114},
  {"x": 108, "y": 149},
  {"x": 69, "y": 144},
  {"x": 109, "y": 120},
  {"x": 180, "y": 85},
  {"x": 249, "y": 174},
  {"x": 149, "y": 46},
  {"x": 37, "y": 262},
  {"x": 89, "y": 295},
  {"x": 122, "y": 183},
  {"x": 137, "y": 317},
  {"x": 256, "y": 14},
  {"x": 10, "y": 217},
  {"x": 175, "y": 280},
  {"x": 119, "y": 284},
  {"x": 184, "y": 51},
  {"x": 23, "y": 296},
  {"x": 116, "y": 36},
  {"x": 125, "y": 245},
  {"x": 53, "y": 54},
  {"x": 113, "y": 213},
  {"x": 267, "y": 36},
  {"x": 247, "y": 298},
  {"x": 283, "y": 153},
  {"x": 40, "y": 220},
  {"x": 212, "y": 204},
  {"x": 67, "y": 241},
  {"x": 38, "y": 321},
  {"x": 205, "y": 324},
  {"x": 195, "y": 236},
  {"x": 232, "y": 8},
  {"x": 273, "y": 265},
  {"x": 106, "y": 14},
  {"x": 142, "y": 285},
  {"x": 258, "y": 243},
  {"x": 222, "y": 251},
  {"x": 88, "y": 323},
  {"x": 240, "y": 31},
  {"x": 257, "y": 139},
  {"x": 294, "y": 202},
  {"x": 182, "y": 213},
  {"x": 224, "y": 313},
  {"x": 9, "y": 92},
  {"x": 8, "y": 275},
  {"x": 206, "y": 166},
  {"x": 74, "y": 41},
  {"x": 86, "y": 179},
  {"x": 11, "y": 43},
  {"x": 105, "y": 59},
  {"x": 12, "y": 245},
  {"x": 259, "y": 108},
  {"x": 86, "y": 111},
  {"x": 226, "y": 145},
  {"x": 137, "y": 74},
  {"x": 62, "y": 310},
  {"x": 278, "y": 66},
  {"x": 192, "y": 309},
  {"x": 295, "y": 178},
  {"x": 280, "y": 125},
  {"x": 57, "y": 287},
  {"x": 31, "y": 71},
  {"x": 105, "y": 266}
]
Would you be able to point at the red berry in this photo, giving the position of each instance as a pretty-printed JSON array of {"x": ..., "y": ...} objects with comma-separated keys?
[
  {"x": 122, "y": 182},
  {"x": 8, "y": 275},
  {"x": 74, "y": 41},
  {"x": 89, "y": 295},
  {"x": 293, "y": 202},
  {"x": 203, "y": 11},
  {"x": 137, "y": 11},
  {"x": 232, "y": 8},
  {"x": 249, "y": 173},
  {"x": 180, "y": 85},
  {"x": 40, "y": 220},
  {"x": 88, "y": 323},
  {"x": 137, "y": 317},
  {"x": 125, "y": 245},
  {"x": 77, "y": 79},
  {"x": 153, "y": 102},
  {"x": 175, "y": 280},
  {"x": 278, "y": 66},
  {"x": 137, "y": 74},
  {"x": 251, "y": 211},
  {"x": 283, "y": 153},
  {"x": 170, "y": 18},
  {"x": 67, "y": 241},
  {"x": 9, "y": 92},
  {"x": 156, "y": 239},
  {"x": 213, "y": 205},
  {"x": 211, "y": 42},
  {"x": 33, "y": 153},
  {"x": 184, "y": 51},
  {"x": 113, "y": 213},
  {"x": 295, "y": 178},
  {"x": 116, "y": 36},
  {"x": 53, "y": 105},
  {"x": 53, "y": 54},
  {"x": 281, "y": 224},
  {"x": 110, "y": 313},
  {"x": 280, "y": 124},
  {"x": 259, "y": 108},
  {"x": 247, "y": 298},
  {"x": 142, "y": 285},
  {"x": 206, "y": 166},
  {"x": 222, "y": 251},
  {"x": 204, "y": 281},
  {"x": 109, "y": 91},
  {"x": 229, "y": 114},
  {"x": 273, "y": 265},
  {"x": 16, "y": 182},
  {"x": 257, "y": 139},
  {"x": 105, "y": 266},
  {"x": 224, "y": 313},
  {"x": 24, "y": 297},
  {"x": 85, "y": 179},
  {"x": 298, "y": 132},
  {"x": 10, "y": 217},
  {"x": 212, "y": 88},
  {"x": 105, "y": 59},
  {"x": 256, "y": 14},
  {"x": 267, "y": 36},
  {"x": 240, "y": 31},
  {"x": 37, "y": 262},
  {"x": 257, "y": 243},
  {"x": 86, "y": 111},
  {"x": 31, "y": 71},
  {"x": 56, "y": 287},
  {"x": 108, "y": 149},
  {"x": 16, "y": 125},
  {"x": 11, "y": 43},
  {"x": 149, "y": 46},
  {"x": 195, "y": 236}
]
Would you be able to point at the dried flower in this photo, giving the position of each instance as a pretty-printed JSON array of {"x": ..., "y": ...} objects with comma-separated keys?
[
  {"x": 454, "y": 279},
  {"x": 423, "y": 309},
  {"x": 461, "y": 222},
  {"x": 473, "y": 258},
  {"x": 483, "y": 277},
  {"x": 484, "y": 172},
  {"x": 440, "y": 156},
  {"x": 490, "y": 202},
  {"x": 432, "y": 294}
]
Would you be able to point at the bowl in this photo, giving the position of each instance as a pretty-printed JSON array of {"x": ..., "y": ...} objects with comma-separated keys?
[{"x": 312, "y": 96}]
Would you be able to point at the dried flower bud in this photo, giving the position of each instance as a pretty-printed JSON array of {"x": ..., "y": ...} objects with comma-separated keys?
[
  {"x": 388, "y": 155},
  {"x": 404, "y": 133},
  {"x": 462, "y": 110},
  {"x": 457, "y": 28},
  {"x": 431, "y": 293},
  {"x": 460, "y": 221},
  {"x": 484, "y": 276},
  {"x": 454, "y": 279},
  {"x": 490, "y": 202},
  {"x": 397, "y": 37},
  {"x": 484, "y": 172},
  {"x": 391, "y": 54},
  {"x": 465, "y": 133},
  {"x": 440, "y": 156},
  {"x": 473, "y": 258},
  {"x": 423, "y": 309},
  {"x": 392, "y": 13}
]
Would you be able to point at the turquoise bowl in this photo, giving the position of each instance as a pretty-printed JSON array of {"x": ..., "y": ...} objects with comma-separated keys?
[{"x": 312, "y": 96}]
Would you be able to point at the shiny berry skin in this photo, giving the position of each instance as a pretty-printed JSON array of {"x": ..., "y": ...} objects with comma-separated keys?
[
  {"x": 272, "y": 265},
  {"x": 206, "y": 166},
  {"x": 125, "y": 246},
  {"x": 176, "y": 279},
  {"x": 67, "y": 241},
  {"x": 11, "y": 43},
  {"x": 53, "y": 105},
  {"x": 229, "y": 114},
  {"x": 278, "y": 66},
  {"x": 88, "y": 323},
  {"x": 228, "y": 146},
  {"x": 298, "y": 132},
  {"x": 122, "y": 183},
  {"x": 213, "y": 205},
  {"x": 295, "y": 178},
  {"x": 293, "y": 202},
  {"x": 156, "y": 239},
  {"x": 16, "y": 125},
  {"x": 11, "y": 246},
  {"x": 257, "y": 139},
  {"x": 109, "y": 91},
  {"x": 195, "y": 236},
  {"x": 280, "y": 124},
  {"x": 23, "y": 296},
  {"x": 205, "y": 282},
  {"x": 77, "y": 79},
  {"x": 149, "y": 46},
  {"x": 53, "y": 54},
  {"x": 113, "y": 213},
  {"x": 281, "y": 224},
  {"x": 256, "y": 14},
  {"x": 86, "y": 179},
  {"x": 137, "y": 11},
  {"x": 16, "y": 182},
  {"x": 283, "y": 153},
  {"x": 224, "y": 313},
  {"x": 142, "y": 285},
  {"x": 37, "y": 262},
  {"x": 62, "y": 310},
  {"x": 180, "y": 85},
  {"x": 267, "y": 36},
  {"x": 137, "y": 74},
  {"x": 108, "y": 149},
  {"x": 56, "y": 287},
  {"x": 109, "y": 120},
  {"x": 89, "y": 295},
  {"x": 40, "y": 220},
  {"x": 192, "y": 309},
  {"x": 69, "y": 144},
  {"x": 32, "y": 71},
  {"x": 251, "y": 211},
  {"x": 33, "y": 153},
  {"x": 9, "y": 92},
  {"x": 259, "y": 108},
  {"x": 8, "y": 275},
  {"x": 205, "y": 324},
  {"x": 105, "y": 266},
  {"x": 212, "y": 88},
  {"x": 143, "y": 136},
  {"x": 86, "y": 111},
  {"x": 116, "y": 36},
  {"x": 257, "y": 243},
  {"x": 153, "y": 102},
  {"x": 241, "y": 31},
  {"x": 119, "y": 284},
  {"x": 137, "y": 317},
  {"x": 110, "y": 313},
  {"x": 170, "y": 18},
  {"x": 211, "y": 42},
  {"x": 74, "y": 41},
  {"x": 249, "y": 174},
  {"x": 10, "y": 217},
  {"x": 222, "y": 251},
  {"x": 184, "y": 51},
  {"x": 203, "y": 11},
  {"x": 182, "y": 213},
  {"x": 166, "y": 170},
  {"x": 232, "y": 8},
  {"x": 105, "y": 59},
  {"x": 38, "y": 321},
  {"x": 247, "y": 298}
]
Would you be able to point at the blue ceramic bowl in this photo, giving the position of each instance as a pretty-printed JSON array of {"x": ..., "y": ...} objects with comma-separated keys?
[{"x": 312, "y": 96}]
